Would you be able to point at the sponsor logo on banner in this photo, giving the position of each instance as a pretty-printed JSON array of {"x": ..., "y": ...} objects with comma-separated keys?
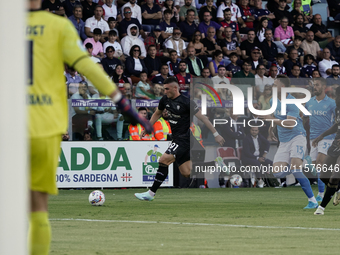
[{"x": 150, "y": 165}]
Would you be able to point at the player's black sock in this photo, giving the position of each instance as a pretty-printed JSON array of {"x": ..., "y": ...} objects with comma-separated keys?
[
  {"x": 330, "y": 190},
  {"x": 161, "y": 174}
]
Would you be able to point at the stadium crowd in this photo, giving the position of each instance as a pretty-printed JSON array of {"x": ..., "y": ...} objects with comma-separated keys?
[{"x": 140, "y": 43}]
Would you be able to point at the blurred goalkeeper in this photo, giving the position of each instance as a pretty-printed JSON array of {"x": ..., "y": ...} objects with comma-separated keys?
[{"x": 54, "y": 41}]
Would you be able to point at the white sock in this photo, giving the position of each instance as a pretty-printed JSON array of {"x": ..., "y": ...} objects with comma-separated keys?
[
  {"x": 321, "y": 194},
  {"x": 312, "y": 199},
  {"x": 151, "y": 193},
  {"x": 322, "y": 208}
]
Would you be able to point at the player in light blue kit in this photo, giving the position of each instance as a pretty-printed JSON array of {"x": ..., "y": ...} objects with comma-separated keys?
[
  {"x": 322, "y": 109},
  {"x": 289, "y": 156}
]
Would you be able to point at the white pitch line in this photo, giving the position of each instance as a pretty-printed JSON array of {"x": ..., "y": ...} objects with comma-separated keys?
[{"x": 198, "y": 224}]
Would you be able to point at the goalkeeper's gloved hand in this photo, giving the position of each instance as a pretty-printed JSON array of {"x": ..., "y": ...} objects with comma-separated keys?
[{"x": 133, "y": 117}]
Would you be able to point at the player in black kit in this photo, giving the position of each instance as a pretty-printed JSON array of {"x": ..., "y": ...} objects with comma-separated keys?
[
  {"x": 180, "y": 110},
  {"x": 330, "y": 170}
]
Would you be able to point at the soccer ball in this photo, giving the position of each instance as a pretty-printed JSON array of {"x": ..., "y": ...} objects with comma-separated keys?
[
  {"x": 236, "y": 180},
  {"x": 96, "y": 198}
]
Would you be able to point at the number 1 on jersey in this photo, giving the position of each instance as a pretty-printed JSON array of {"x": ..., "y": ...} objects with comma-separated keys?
[{"x": 30, "y": 63}]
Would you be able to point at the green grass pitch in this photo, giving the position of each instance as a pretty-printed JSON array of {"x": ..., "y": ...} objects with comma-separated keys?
[{"x": 228, "y": 221}]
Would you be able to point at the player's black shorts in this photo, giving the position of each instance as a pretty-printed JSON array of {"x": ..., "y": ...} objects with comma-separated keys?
[
  {"x": 180, "y": 148},
  {"x": 334, "y": 150}
]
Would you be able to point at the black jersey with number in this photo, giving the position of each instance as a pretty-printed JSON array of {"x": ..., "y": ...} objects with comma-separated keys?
[
  {"x": 334, "y": 150},
  {"x": 181, "y": 111}
]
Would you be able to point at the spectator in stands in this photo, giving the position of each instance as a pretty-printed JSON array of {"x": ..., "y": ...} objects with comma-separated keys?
[
  {"x": 273, "y": 72},
  {"x": 210, "y": 42},
  {"x": 296, "y": 45},
  {"x": 209, "y": 7},
  {"x": 143, "y": 89},
  {"x": 233, "y": 68},
  {"x": 167, "y": 26},
  {"x": 262, "y": 13},
  {"x": 269, "y": 48},
  {"x": 173, "y": 64},
  {"x": 158, "y": 91},
  {"x": 305, "y": 10},
  {"x": 152, "y": 61},
  {"x": 89, "y": 48},
  {"x": 65, "y": 137},
  {"x": 235, "y": 11},
  {"x": 254, "y": 153},
  {"x": 110, "y": 62},
  {"x": 127, "y": 21},
  {"x": 132, "y": 39},
  {"x": 264, "y": 99},
  {"x": 188, "y": 27},
  {"x": 53, "y": 6},
  {"x": 281, "y": 12},
  {"x": 184, "y": 79},
  {"x": 232, "y": 133},
  {"x": 151, "y": 15},
  {"x": 291, "y": 61},
  {"x": 184, "y": 10},
  {"x": 180, "y": 3},
  {"x": 78, "y": 23},
  {"x": 112, "y": 25},
  {"x": 97, "y": 46},
  {"x": 135, "y": 9},
  {"x": 88, "y": 9},
  {"x": 155, "y": 38},
  {"x": 217, "y": 60},
  {"x": 255, "y": 59},
  {"x": 261, "y": 29},
  {"x": 116, "y": 45},
  {"x": 272, "y": 5},
  {"x": 111, "y": 10},
  {"x": 200, "y": 49},
  {"x": 177, "y": 44},
  {"x": 325, "y": 66},
  {"x": 162, "y": 128},
  {"x": 299, "y": 26},
  {"x": 260, "y": 79},
  {"x": 195, "y": 65},
  {"x": 69, "y": 6},
  {"x": 280, "y": 59},
  {"x": 245, "y": 76},
  {"x": 248, "y": 18},
  {"x": 127, "y": 91},
  {"x": 334, "y": 8},
  {"x": 81, "y": 116},
  {"x": 207, "y": 23},
  {"x": 221, "y": 76},
  {"x": 97, "y": 22},
  {"x": 310, "y": 46},
  {"x": 134, "y": 65},
  {"x": 204, "y": 78},
  {"x": 230, "y": 45},
  {"x": 284, "y": 35},
  {"x": 297, "y": 78},
  {"x": 105, "y": 116},
  {"x": 309, "y": 66},
  {"x": 233, "y": 25},
  {"x": 169, "y": 4},
  {"x": 321, "y": 33},
  {"x": 334, "y": 78},
  {"x": 161, "y": 77},
  {"x": 249, "y": 44},
  {"x": 119, "y": 77},
  {"x": 72, "y": 76},
  {"x": 334, "y": 47}
]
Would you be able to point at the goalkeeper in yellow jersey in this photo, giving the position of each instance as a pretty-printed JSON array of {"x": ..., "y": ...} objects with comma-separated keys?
[{"x": 54, "y": 41}]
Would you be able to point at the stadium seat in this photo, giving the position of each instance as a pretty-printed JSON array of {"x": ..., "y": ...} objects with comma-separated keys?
[
  {"x": 226, "y": 152},
  {"x": 239, "y": 152},
  {"x": 333, "y": 24}
]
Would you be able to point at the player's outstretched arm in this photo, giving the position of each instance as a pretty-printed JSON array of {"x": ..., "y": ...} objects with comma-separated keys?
[
  {"x": 219, "y": 139},
  {"x": 330, "y": 131}
]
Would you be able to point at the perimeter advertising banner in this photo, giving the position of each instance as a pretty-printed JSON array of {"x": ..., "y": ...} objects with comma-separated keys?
[{"x": 110, "y": 164}]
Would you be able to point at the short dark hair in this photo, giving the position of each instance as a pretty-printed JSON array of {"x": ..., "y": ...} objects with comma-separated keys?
[
  {"x": 227, "y": 10},
  {"x": 97, "y": 31},
  {"x": 295, "y": 66},
  {"x": 220, "y": 66},
  {"x": 182, "y": 61},
  {"x": 142, "y": 73},
  {"x": 167, "y": 11},
  {"x": 308, "y": 56},
  {"x": 113, "y": 33},
  {"x": 151, "y": 46},
  {"x": 247, "y": 61},
  {"x": 233, "y": 54},
  {"x": 258, "y": 66},
  {"x": 298, "y": 38},
  {"x": 283, "y": 79},
  {"x": 88, "y": 46},
  {"x": 251, "y": 30},
  {"x": 170, "y": 79},
  {"x": 109, "y": 48},
  {"x": 77, "y": 6},
  {"x": 335, "y": 65},
  {"x": 190, "y": 10},
  {"x": 171, "y": 51},
  {"x": 111, "y": 19},
  {"x": 322, "y": 80},
  {"x": 142, "y": 109},
  {"x": 280, "y": 55}
]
